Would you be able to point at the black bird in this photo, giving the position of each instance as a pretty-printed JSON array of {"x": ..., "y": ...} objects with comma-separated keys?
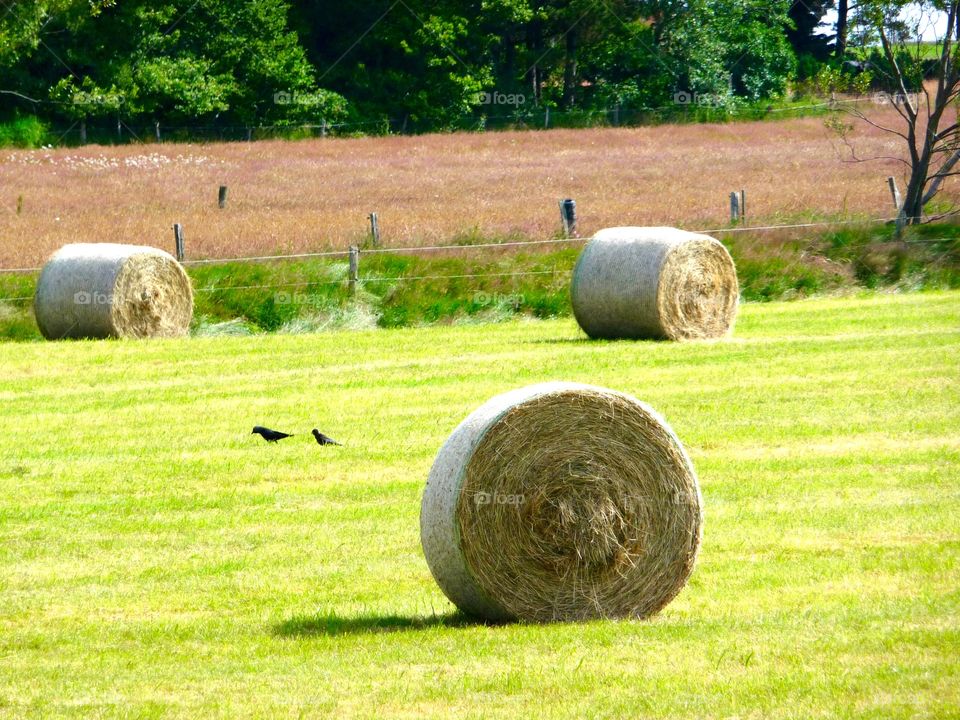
[
  {"x": 268, "y": 434},
  {"x": 323, "y": 439}
]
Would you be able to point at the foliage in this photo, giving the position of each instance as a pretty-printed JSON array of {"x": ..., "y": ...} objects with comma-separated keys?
[
  {"x": 22, "y": 132},
  {"x": 176, "y": 61},
  {"x": 415, "y": 65}
]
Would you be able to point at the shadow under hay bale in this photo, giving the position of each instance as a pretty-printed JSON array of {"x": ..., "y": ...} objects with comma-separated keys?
[
  {"x": 654, "y": 283},
  {"x": 102, "y": 290},
  {"x": 561, "y": 502}
]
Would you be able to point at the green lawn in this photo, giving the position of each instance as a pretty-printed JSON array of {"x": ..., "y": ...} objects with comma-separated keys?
[{"x": 156, "y": 560}]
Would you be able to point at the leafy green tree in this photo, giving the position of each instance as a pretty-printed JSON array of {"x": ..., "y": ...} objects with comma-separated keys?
[
  {"x": 23, "y": 23},
  {"x": 928, "y": 127},
  {"x": 804, "y": 31},
  {"x": 425, "y": 65},
  {"x": 726, "y": 49},
  {"x": 181, "y": 62}
]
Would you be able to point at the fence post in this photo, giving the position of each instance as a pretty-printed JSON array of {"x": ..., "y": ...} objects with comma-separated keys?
[
  {"x": 222, "y": 197},
  {"x": 568, "y": 215},
  {"x": 156, "y": 127},
  {"x": 546, "y": 118},
  {"x": 734, "y": 207},
  {"x": 354, "y": 268},
  {"x": 895, "y": 192},
  {"x": 178, "y": 239},
  {"x": 743, "y": 206},
  {"x": 375, "y": 229},
  {"x": 83, "y": 132}
]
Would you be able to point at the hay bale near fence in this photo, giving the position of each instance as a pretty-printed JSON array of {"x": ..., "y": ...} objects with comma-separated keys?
[
  {"x": 658, "y": 283},
  {"x": 561, "y": 502},
  {"x": 101, "y": 290}
]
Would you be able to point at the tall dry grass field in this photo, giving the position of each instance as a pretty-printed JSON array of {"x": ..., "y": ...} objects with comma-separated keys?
[{"x": 313, "y": 195}]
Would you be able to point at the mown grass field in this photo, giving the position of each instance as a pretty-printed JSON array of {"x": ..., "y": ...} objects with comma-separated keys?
[{"x": 156, "y": 560}]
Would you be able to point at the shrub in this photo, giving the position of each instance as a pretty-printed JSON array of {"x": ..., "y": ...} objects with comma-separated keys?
[{"x": 22, "y": 132}]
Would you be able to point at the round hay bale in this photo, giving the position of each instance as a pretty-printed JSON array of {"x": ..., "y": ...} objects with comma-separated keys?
[
  {"x": 100, "y": 290},
  {"x": 561, "y": 502},
  {"x": 657, "y": 283}
]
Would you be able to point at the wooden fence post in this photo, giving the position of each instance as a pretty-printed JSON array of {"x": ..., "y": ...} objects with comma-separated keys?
[
  {"x": 222, "y": 197},
  {"x": 734, "y": 207},
  {"x": 895, "y": 192},
  {"x": 178, "y": 239},
  {"x": 375, "y": 229},
  {"x": 568, "y": 215},
  {"x": 743, "y": 206},
  {"x": 354, "y": 268}
]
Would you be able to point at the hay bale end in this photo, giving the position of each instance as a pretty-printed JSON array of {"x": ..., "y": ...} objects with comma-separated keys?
[
  {"x": 102, "y": 290},
  {"x": 561, "y": 502},
  {"x": 654, "y": 283}
]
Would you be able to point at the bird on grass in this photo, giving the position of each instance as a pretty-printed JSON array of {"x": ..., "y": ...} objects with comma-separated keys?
[
  {"x": 269, "y": 435},
  {"x": 323, "y": 439}
]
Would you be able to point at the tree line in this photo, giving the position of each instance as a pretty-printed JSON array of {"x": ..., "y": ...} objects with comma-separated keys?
[{"x": 427, "y": 64}]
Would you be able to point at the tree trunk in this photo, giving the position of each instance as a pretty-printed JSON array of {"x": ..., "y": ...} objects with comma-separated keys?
[
  {"x": 842, "y": 24},
  {"x": 509, "y": 69},
  {"x": 912, "y": 211},
  {"x": 570, "y": 71},
  {"x": 535, "y": 43}
]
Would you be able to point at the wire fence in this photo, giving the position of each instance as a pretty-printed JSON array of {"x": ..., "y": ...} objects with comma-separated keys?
[
  {"x": 687, "y": 107},
  {"x": 415, "y": 250}
]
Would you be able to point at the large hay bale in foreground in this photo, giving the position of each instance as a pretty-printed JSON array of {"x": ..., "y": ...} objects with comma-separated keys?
[
  {"x": 100, "y": 290},
  {"x": 561, "y": 502},
  {"x": 661, "y": 283}
]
